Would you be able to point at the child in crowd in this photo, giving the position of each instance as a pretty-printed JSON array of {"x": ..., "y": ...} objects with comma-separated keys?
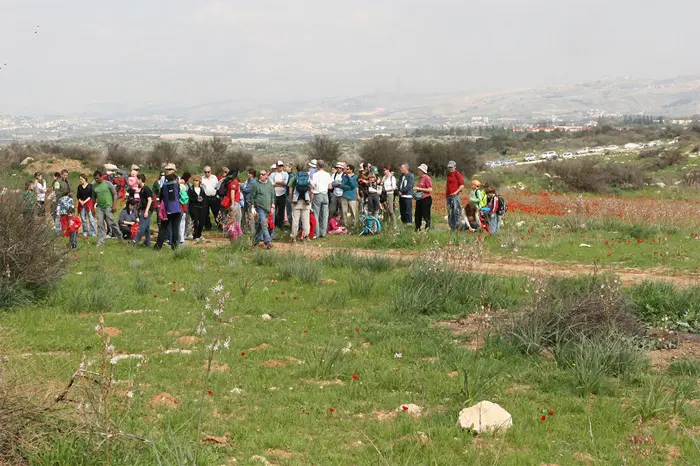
[
  {"x": 471, "y": 221},
  {"x": 334, "y": 226},
  {"x": 72, "y": 228},
  {"x": 271, "y": 225},
  {"x": 494, "y": 205},
  {"x": 373, "y": 192}
]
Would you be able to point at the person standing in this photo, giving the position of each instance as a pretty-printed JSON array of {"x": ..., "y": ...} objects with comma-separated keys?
[
  {"x": 211, "y": 201},
  {"x": 494, "y": 205},
  {"x": 263, "y": 197},
  {"x": 337, "y": 193},
  {"x": 424, "y": 201},
  {"x": 453, "y": 188},
  {"x": 406, "y": 194},
  {"x": 389, "y": 187},
  {"x": 85, "y": 206},
  {"x": 170, "y": 198},
  {"x": 233, "y": 223},
  {"x": 104, "y": 197},
  {"x": 40, "y": 193},
  {"x": 349, "y": 200},
  {"x": 61, "y": 189},
  {"x": 313, "y": 168},
  {"x": 321, "y": 184},
  {"x": 291, "y": 180},
  {"x": 279, "y": 179},
  {"x": 198, "y": 207},
  {"x": 248, "y": 210},
  {"x": 145, "y": 209},
  {"x": 301, "y": 200}
]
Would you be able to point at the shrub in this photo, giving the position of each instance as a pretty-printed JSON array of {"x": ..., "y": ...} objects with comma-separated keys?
[
  {"x": 382, "y": 151},
  {"x": 662, "y": 303},
  {"x": 31, "y": 258},
  {"x": 591, "y": 175},
  {"x": 688, "y": 367},
  {"x": 437, "y": 154},
  {"x": 324, "y": 148},
  {"x": 479, "y": 377},
  {"x": 361, "y": 284}
]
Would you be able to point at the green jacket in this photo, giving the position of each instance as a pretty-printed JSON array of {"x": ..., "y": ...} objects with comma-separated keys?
[
  {"x": 263, "y": 195},
  {"x": 61, "y": 187}
]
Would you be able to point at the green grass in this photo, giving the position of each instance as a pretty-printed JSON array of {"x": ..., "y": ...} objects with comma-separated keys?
[{"x": 276, "y": 399}]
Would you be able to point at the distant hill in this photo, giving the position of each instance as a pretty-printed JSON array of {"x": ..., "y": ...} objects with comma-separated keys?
[{"x": 669, "y": 97}]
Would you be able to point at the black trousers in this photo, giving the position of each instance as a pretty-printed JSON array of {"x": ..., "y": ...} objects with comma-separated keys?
[
  {"x": 199, "y": 218},
  {"x": 280, "y": 208},
  {"x": 214, "y": 204},
  {"x": 125, "y": 231},
  {"x": 406, "y": 208},
  {"x": 423, "y": 207},
  {"x": 173, "y": 221}
]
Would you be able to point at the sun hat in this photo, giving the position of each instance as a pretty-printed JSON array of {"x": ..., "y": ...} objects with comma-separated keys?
[
  {"x": 451, "y": 164},
  {"x": 423, "y": 167},
  {"x": 273, "y": 166},
  {"x": 135, "y": 167},
  {"x": 312, "y": 164},
  {"x": 339, "y": 165},
  {"x": 170, "y": 166},
  {"x": 280, "y": 163}
]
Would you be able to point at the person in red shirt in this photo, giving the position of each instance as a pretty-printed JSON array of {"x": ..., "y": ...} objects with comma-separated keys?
[
  {"x": 454, "y": 186},
  {"x": 72, "y": 228}
]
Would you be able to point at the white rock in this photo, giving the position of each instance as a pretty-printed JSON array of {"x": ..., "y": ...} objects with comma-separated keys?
[
  {"x": 547, "y": 175},
  {"x": 260, "y": 459},
  {"x": 520, "y": 224},
  {"x": 485, "y": 417},
  {"x": 26, "y": 161},
  {"x": 236, "y": 391},
  {"x": 410, "y": 409},
  {"x": 660, "y": 184},
  {"x": 266, "y": 317},
  {"x": 584, "y": 245}
]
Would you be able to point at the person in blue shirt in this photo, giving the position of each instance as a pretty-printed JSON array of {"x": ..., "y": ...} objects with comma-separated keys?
[{"x": 349, "y": 200}]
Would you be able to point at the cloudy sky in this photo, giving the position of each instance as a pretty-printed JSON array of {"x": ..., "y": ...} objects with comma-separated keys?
[{"x": 95, "y": 54}]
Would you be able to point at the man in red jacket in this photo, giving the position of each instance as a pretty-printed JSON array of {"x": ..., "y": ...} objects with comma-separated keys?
[{"x": 454, "y": 186}]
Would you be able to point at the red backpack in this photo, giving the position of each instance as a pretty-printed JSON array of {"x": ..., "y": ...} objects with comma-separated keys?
[{"x": 119, "y": 183}]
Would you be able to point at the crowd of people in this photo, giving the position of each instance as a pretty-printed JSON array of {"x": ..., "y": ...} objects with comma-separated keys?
[{"x": 307, "y": 200}]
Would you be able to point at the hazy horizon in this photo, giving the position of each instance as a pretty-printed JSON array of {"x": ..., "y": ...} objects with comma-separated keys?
[{"x": 67, "y": 58}]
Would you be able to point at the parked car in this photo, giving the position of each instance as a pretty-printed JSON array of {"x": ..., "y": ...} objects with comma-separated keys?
[
  {"x": 567, "y": 155},
  {"x": 549, "y": 155},
  {"x": 530, "y": 158}
]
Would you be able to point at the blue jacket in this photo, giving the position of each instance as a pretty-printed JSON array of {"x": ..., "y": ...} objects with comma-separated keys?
[
  {"x": 349, "y": 187},
  {"x": 247, "y": 189}
]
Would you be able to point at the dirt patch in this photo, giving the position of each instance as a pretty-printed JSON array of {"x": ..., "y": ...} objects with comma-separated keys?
[
  {"x": 688, "y": 348},
  {"x": 325, "y": 383},
  {"x": 274, "y": 363},
  {"x": 584, "y": 458},
  {"x": 453, "y": 374},
  {"x": 111, "y": 331},
  {"x": 293, "y": 360},
  {"x": 280, "y": 453},
  {"x": 189, "y": 340},
  {"x": 175, "y": 333},
  {"x": 261, "y": 347},
  {"x": 385, "y": 415},
  {"x": 329, "y": 281},
  {"x": 165, "y": 400},
  {"x": 212, "y": 440},
  {"x": 217, "y": 367}
]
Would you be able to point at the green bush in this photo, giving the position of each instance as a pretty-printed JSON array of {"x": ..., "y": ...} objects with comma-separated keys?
[{"x": 663, "y": 303}]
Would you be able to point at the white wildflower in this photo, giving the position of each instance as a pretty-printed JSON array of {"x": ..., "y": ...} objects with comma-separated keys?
[
  {"x": 110, "y": 349},
  {"x": 398, "y": 355},
  {"x": 130, "y": 394},
  {"x": 98, "y": 328},
  {"x": 227, "y": 343}
]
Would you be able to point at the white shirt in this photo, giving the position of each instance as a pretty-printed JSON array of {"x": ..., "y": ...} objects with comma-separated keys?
[
  {"x": 279, "y": 176},
  {"x": 209, "y": 185},
  {"x": 40, "y": 190},
  {"x": 337, "y": 178},
  {"x": 389, "y": 184},
  {"x": 320, "y": 181}
]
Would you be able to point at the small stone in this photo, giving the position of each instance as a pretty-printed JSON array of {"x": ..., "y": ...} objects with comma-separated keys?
[
  {"x": 266, "y": 317},
  {"x": 584, "y": 245},
  {"x": 410, "y": 409},
  {"x": 260, "y": 459},
  {"x": 520, "y": 224},
  {"x": 485, "y": 416},
  {"x": 236, "y": 391}
]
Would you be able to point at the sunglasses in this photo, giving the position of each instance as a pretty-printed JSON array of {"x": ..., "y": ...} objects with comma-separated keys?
[{"x": 207, "y": 172}]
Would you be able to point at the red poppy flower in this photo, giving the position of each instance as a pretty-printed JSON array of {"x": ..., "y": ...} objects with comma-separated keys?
[
  {"x": 543, "y": 418},
  {"x": 551, "y": 412},
  {"x": 277, "y": 297},
  {"x": 155, "y": 295},
  {"x": 404, "y": 407},
  {"x": 357, "y": 330},
  {"x": 174, "y": 283},
  {"x": 210, "y": 393},
  {"x": 331, "y": 410},
  {"x": 296, "y": 298},
  {"x": 306, "y": 331},
  {"x": 242, "y": 353},
  {"x": 355, "y": 376},
  {"x": 174, "y": 290},
  {"x": 609, "y": 254},
  {"x": 283, "y": 292}
]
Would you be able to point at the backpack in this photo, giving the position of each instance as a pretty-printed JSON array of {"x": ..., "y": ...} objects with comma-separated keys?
[
  {"x": 502, "y": 209},
  {"x": 383, "y": 196},
  {"x": 171, "y": 198},
  {"x": 302, "y": 183},
  {"x": 222, "y": 190},
  {"x": 120, "y": 186}
]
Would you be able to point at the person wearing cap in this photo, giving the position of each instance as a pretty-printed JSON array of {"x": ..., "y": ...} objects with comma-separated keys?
[
  {"x": 313, "y": 168},
  {"x": 211, "y": 202},
  {"x": 279, "y": 179},
  {"x": 424, "y": 201},
  {"x": 337, "y": 193},
  {"x": 406, "y": 195},
  {"x": 262, "y": 196},
  {"x": 477, "y": 196},
  {"x": 321, "y": 184},
  {"x": 453, "y": 188}
]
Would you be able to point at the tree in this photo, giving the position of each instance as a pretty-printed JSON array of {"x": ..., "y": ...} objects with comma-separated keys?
[
  {"x": 383, "y": 151},
  {"x": 164, "y": 152},
  {"x": 324, "y": 148}
]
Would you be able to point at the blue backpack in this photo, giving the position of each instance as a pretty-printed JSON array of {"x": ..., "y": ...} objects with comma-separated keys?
[
  {"x": 171, "y": 197},
  {"x": 302, "y": 183}
]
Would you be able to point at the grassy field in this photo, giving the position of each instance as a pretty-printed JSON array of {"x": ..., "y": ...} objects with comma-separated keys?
[{"x": 349, "y": 342}]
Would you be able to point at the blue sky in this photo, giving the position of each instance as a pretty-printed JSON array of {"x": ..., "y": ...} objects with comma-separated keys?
[{"x": 181, "y": 52}]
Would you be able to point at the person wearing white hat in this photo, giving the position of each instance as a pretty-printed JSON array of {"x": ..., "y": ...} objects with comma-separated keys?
[
  {"x": 337, "y": 193},
  {"x": 279, "y": 179},
  {"x": 424, "y": 201},
  {"x": 313, "y": 168}
]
